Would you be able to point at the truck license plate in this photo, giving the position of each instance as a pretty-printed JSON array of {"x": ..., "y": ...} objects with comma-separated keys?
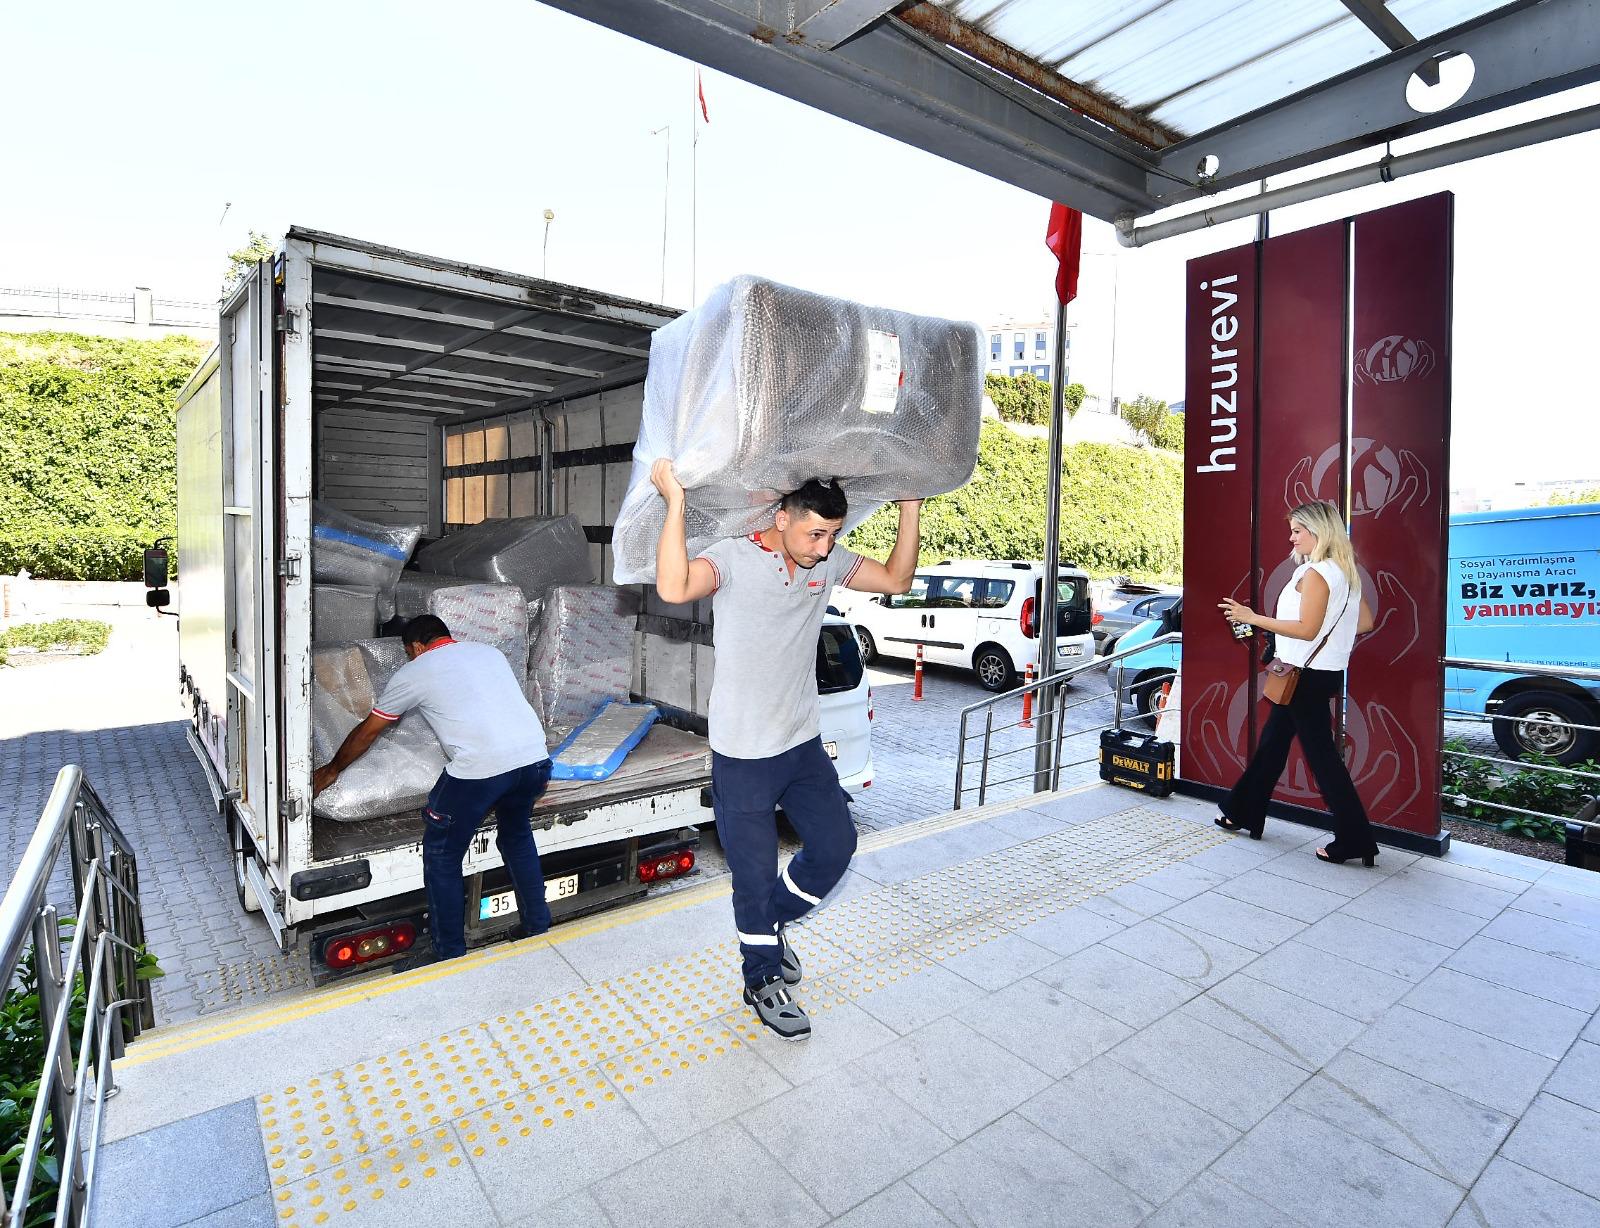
[
  {"x": 504, "y": 903},
  {"x": 1069, "y": 650},
  {"x": 832, "y": 748}
]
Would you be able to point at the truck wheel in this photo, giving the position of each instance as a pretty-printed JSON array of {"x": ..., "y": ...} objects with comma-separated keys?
[
  {"x": 241, "y": 884},
  {"x": 1556, "y": 737},
  {"x": 869, "y": 648},
  {"x": 1147, "y": 696},
  {"x": 994, "y": 669}
]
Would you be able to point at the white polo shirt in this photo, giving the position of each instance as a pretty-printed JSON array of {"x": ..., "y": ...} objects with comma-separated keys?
[{"x": 469, "y": 696}]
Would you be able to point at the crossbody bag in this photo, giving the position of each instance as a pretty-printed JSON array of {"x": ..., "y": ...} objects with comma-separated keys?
[{"x": 1282, "y": 678}]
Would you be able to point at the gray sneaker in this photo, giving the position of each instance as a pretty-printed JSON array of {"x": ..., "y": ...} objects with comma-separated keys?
[
  {"x": 790, "y": 964},
  {"x": 776, "y": 1008}
]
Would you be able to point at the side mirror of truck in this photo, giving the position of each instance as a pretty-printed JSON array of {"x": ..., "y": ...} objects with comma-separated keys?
[
  {"x": 155, "y": 567},
  {"x": 158, "y": 598}
]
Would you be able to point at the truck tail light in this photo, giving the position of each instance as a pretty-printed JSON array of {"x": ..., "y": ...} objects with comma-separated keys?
[
  {"x": 353, "y": 950},
  {"x": 1095, "y": 617},
  {"x": 870, "y": 711},
  {"x": 1026, "y": 620},
  {"x": 662, "y": 866}
]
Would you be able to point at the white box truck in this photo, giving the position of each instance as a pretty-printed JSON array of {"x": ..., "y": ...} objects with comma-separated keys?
[{"x": 409, "y": 390}]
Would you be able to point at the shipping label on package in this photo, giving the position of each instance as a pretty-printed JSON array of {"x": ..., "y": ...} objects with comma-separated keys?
[{"x": 883, "y": 373}]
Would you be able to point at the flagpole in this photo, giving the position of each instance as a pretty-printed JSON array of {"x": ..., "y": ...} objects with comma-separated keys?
[
  {"x": 666, "y": 197},
  {"x": 694, "y": 192}
]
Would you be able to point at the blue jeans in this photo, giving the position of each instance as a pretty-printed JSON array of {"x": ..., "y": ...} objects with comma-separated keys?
[
  {"x": 744, "y": 794},
  {"x": 455, "y": 810}
]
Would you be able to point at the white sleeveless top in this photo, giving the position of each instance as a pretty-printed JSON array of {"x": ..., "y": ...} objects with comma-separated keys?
[{"x": 1335, "y": 653}]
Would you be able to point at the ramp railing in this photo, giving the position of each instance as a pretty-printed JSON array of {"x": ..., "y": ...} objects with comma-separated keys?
[{"x": 90, "y": 1004}]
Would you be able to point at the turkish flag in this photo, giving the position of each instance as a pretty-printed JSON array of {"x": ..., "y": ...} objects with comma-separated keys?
[
  {"x": 700, "y": 93},
  {"x": 1064, "y": 237}
]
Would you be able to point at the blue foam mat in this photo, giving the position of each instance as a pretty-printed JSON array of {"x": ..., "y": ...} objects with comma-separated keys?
[{"x": 560, "y": 770}]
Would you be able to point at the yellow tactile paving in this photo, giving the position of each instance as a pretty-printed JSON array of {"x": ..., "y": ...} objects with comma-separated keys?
[{"x": 343, "y": 1141}]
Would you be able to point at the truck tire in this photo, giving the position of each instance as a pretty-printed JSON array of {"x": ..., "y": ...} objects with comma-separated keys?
[
  {"x": 1558, "y": 739},
  {"x": 993, "y": 666},
  {"x": 1147, "y": 694},
  {"x": 248, "y": 900},
  {"x": 869, "y": 646}
]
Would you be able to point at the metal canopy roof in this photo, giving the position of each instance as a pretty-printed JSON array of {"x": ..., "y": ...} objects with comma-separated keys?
[
  {"x": 477, "y": 344},
  {"x": 1125, "y": 107}
]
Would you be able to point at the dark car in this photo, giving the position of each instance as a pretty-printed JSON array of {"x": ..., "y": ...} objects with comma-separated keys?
[{"x": 1140, "y": 603}]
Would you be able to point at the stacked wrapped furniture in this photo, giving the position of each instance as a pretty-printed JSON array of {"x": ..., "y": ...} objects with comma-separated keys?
[
  {"x": 584, "y": 655},
  {"x": 533, "y": 552},
  {"x": 762, "y": 388},
  {"x": 343, "y": 612},
  {"x": 348, "y": 550},
  {"x": 494, "y": 614},
  {"x": 397, "y": 773}
]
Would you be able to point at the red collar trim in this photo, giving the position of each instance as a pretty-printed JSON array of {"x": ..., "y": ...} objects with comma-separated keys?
[
  {"x": 756, "y": 537},
  {"x": 439, "y": 643}
]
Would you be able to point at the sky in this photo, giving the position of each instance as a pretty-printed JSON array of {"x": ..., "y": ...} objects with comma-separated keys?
[{"x": 145, "y": 141}]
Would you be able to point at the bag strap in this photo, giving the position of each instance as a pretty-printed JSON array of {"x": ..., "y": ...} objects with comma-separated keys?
[{"x": 1348, "y": 594}]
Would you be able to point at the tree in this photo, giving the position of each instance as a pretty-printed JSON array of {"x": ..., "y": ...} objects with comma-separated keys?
[
  {"x": 1590, "y": 495},
  {"x": 1149, "y": 417},
  {"x": 1025, "y": 398},
  {"x": 243, "y": 259},
  {"x": 1169, "y": 434}
]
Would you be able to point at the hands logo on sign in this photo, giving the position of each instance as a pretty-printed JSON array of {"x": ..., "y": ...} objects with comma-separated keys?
[
  {"x": 1394, "y": 360},
  {"x": 1380, "y": 479}
]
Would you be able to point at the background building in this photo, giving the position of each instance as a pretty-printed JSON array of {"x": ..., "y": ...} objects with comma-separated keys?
[
  {"x": 136, "y": 313},
  {"x": 1026, "y": 346}
]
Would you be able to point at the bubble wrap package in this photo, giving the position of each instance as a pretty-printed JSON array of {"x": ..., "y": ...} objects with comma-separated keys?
[
  {"x": 343, "y": 612},
  {"x": 584, "y": 656},
  {"x": 487, "y": 614},
  {"x": 400, "y": 769},
  {"x": 348, "y": 550},
  {"x": 596, "y": 748},
  {"x": 532, "y": 552},
  {"x": 762, "y": 388},
  {"x": 414, "y": 589}
]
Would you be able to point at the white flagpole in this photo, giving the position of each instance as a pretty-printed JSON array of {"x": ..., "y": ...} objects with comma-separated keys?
[
  {"x": 666, "y": 197},
  {"x": 694, "y": 192}
]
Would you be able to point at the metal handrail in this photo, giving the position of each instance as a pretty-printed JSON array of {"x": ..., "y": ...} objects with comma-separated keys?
[
  {"x": 104, "y": 953},
  {"x": 1051, "y": 721}
]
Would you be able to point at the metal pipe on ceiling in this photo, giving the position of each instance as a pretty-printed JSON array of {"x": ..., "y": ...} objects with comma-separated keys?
[{"x": 1550, "y": 128}]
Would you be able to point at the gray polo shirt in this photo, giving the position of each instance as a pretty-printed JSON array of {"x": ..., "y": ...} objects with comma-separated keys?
[{"x": 764, "y": 690}]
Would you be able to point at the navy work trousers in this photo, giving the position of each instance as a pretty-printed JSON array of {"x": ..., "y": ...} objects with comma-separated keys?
[
  {"x": 744, "y": 794},
  {"x": 455, "y": 810}
]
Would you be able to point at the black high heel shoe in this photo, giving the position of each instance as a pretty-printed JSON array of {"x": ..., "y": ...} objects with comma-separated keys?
[
  {"x": 1367, "y": 859},
  {"x": 1227, "y": 824}
]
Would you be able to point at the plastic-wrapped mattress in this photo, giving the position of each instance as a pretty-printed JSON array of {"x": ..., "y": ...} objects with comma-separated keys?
[
  {"x": 584, "y": 656},
  {"x": 494, "y": 614},
  {"x": 343, "y": 612},
  {"x": 596, "y": 748},
  {"x": 533, "y": 552},
  {"x": 401, "y": 767},
  {"x": 763, "y": 387},
  {"x": 348, "y": 550}
]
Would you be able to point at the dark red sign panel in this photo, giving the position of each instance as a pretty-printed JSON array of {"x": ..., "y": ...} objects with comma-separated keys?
[
  {"x": 1399, "y": 507},
  {"x": 1299, "y": 418},
  {"x": 1219, "y": 448}
]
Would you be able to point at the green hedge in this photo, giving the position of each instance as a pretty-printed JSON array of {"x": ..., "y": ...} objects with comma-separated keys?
[
  {"x": 87, "y": 450},
  {"x": 1121, "y": 509}
]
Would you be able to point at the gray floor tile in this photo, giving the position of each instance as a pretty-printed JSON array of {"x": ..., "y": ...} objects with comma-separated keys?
[
  {"x": 1027, "y": 824},
  {"x": 1303, "y": 867},
  {"x": 1118, "y": 985},
  {"x": 1044, "y": 1026},
  {"x": 1153, "y": 1141},
  {"x": 1182, "y": 880},
  {"x": 900, "y": 862},
  {"x": 1211, "y": 1202},
  {"x": 953, "y": 1076},
  {"x": 1282, "y": 895},
  {"x": 1322, "y": 1175},
  {"x": 1238, "y": 856},
  {"x": 147, "y": 1180},
  {"x": 1568, "y": 878},
  {"x": 1416, "y": 1120},
  {"x": 1489, "y": 1071},
  {"x": 844, "y": 1137},
  {"x": 1237, "y": 1082},
  {"x": 1506, "y": 1014},
  {"x": 1418, "y": 918},
  {"x": 911, "y": 1002},
  {"x": 681, "y": 1085},
  {"x": 732, "y": 1180},
  {"x": 1558, "y": 905},
  {"x": 1510, "y": 1196},
  {"x": 1543, "y": 976},
  {"x": 1561, "y": 1140},
  {"x": 1000, "y": 961},
  {"x": 1180, "y": 950},
  {"x": 1477, "y": 856},
  {"x": 1376, "y": 946},
  {"x": 1129, "y": 904},
  {"x": 1324, "y": 978},
  {"x": 1557, "y": 939},
  {"x": 1577, "y": 1078},
  {"x": 257, "y": 1212},
  {"x": 1014, "y": 1175},
  {"x": 580, "y": 1210},
  {"x": 614, "y": 952},
  {"x": 840, "y": 1033},
  {"x": 1449, "y": 867},
  {"x": 1242, "y": 924},
  {"x": 1463, "y": 895},
  {"x": 899, "y": 1206},
  {"x": 1070, "y": 931},
  {"x": 1274, "y": 1020}
]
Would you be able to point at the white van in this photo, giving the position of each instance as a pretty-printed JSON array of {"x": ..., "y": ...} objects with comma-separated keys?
[
  {"x": 979, "y": 614},
  {"x": 846, "y": 704}
]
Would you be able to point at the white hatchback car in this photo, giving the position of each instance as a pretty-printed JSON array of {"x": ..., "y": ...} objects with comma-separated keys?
[
  {"x": 978, "y": 614},
  {"x": 846, "y": 704}
]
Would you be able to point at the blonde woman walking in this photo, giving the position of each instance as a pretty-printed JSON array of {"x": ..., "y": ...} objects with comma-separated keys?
[{"x": 1319, "y": 613}]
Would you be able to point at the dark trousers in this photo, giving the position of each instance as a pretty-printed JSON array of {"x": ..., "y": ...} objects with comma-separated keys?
[
  {"x": 455, "y": 810},
  {"x": 1308, "y": 717},
  {"x": 744, "y": 794}
]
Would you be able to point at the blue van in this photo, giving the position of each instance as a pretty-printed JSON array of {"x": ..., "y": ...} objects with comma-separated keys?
[{"x": 1524, "y": 586}]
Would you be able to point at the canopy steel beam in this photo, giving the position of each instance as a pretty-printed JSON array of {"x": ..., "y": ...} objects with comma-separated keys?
[
  {"x": 1519, "y": 52},
  {"x": 1375, "y": 15},
  {"x": 827, "y": 23}
]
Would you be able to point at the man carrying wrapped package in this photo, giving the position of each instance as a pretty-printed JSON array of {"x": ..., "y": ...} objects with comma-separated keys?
[
  {"x": 498, "y": 761},
  {"x": 769, "y": 592}
]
